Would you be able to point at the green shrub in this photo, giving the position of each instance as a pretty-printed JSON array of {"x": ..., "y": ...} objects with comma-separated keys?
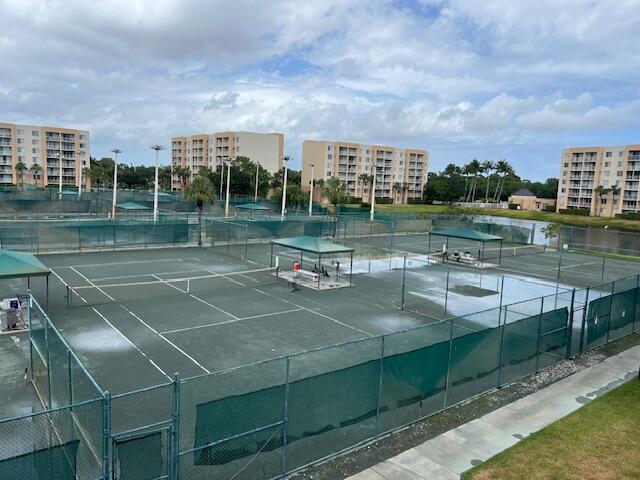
[
  {"x": 550, "y": 208},
  {"x": 584, "y": 212}
]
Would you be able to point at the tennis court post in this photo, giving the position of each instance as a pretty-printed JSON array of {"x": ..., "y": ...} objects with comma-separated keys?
[
  {"x": 404, "y": 276},
  {"x": 175, "y": 429},
  {"x": 570, "y": 331},
  {"x": 106, "y": 433}
]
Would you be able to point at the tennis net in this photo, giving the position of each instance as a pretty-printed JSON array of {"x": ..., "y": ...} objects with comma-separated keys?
[{"x": 154, "y": 286}]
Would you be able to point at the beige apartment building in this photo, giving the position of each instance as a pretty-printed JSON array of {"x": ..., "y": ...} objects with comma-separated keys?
[
  {"x": 210, "y": 150},
  {"x": 401, "y": 173},
  {"x": 584, "y": 169},
  {"x": 46, "y": 147}
]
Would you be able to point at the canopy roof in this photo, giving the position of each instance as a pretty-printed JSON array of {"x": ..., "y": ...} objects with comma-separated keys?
[
  {"x": 252, "y": 206},
  {"x": 69, "y": 192},
  {"x": 20, "y": 264},
  {"x": 467, "y": 234},
  {"x": 131, "y": 206},
  {"x": 307, "y": 243}
]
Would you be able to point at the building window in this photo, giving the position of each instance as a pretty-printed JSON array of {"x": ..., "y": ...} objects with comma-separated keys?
[
  {"x": 20, "y": 132},
  {"x": 619, "y": 164},
  {"x": 35, "y": 133},
  {"x": 20, "y": 149},
  {"x": 35, "y": 150},
  {"x": 620, "y": 154},
  {"x": 20, "y": 140},
  {"x": 604, "y": 201},
  {"x": 34, "y": 142},
  {"x": 82, "y": 137},
  {"x": 328, "y": 174},
  {"x": 607, "y": 164},
  {"x": 564, "y": 182},
  {"x": 329, "y": 156},
  {"x": 619, "y": 173},
  {"x": 608, "y": 154},
  {"x": 566, "y": 164}
]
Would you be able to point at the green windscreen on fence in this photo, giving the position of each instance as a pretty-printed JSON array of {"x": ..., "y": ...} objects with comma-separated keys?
[
  {"x": 140, "y": 458},
  {"x": 54, "y": 463},
  {"x": 413, "y": 385},
  {"x": 519, "y": 349},
  {"x": 475, "y": 358},
  {"x": 623, "y": 312},
  {"x": 553, "y": 337},
  {"x": 598, "y": 316}
]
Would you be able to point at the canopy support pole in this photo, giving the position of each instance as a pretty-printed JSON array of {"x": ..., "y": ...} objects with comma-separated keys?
[{"x": 351, "y": 268}]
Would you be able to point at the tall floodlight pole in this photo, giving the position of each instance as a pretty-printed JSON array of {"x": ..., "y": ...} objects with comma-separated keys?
[
  {"x": 157, "y": 148},
  {"x": 284, "y": 187},
  {"x": 221, "y": 177},
  {"x": 226, "y": 201},
  {"x": 373, "y": 194},
  {"x": 115, "y": 151},
  {"x": 255, "y": 196},
  {"x": 59, "y": 155},
  {"x": 311, "y": 193},
  {"x": 82, "y": 155}
]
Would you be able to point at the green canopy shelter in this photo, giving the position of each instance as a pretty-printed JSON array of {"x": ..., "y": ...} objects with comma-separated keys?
[
  {"x": 252, "y": 208},
  {"x": 129, "y": 206},
  {"x": 468, "y": 234},
  {"x": 314, "y": 246},
  {"x": 23, "y": 265}
]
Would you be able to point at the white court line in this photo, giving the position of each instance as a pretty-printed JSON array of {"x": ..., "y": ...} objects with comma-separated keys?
[
  {"x": 230, "y": 321},
  {"x": 65, "y": 283},
  {"x": 93, "y": 284},
  {"x": 128, "y": 263},
  {"x": 141, "y": 321},
  {"x": 197, "y": 298},
  {"x": 164, "y": 338},
  {"x": 314, "y": 312},
  {"x": 131, "y": 343},
  {"x": 100, "y": 279}
]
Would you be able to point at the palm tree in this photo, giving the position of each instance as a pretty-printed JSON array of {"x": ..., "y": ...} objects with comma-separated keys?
[
  {"x": 200, "y": 191},
  {"x": 405, "y": 189},
  {"x": 487, "y": 167},
  {"x": 615, "y": 191},
  {"x": 503, "y": 168},
  {"x": 474, "y": 169},
  {"x": 335, "y": 191},
  {"x": 36, "y": 169},
  {"x": 601, "y": 191},
  {"x": 20, "y": 168},
  {"x": 183, "y": 173},
  {"x": 365, "y": 179},
  {"x": 397, "y": 187}
]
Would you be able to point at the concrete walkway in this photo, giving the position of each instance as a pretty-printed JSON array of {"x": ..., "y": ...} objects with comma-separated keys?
[{"x": 456, "y": 451}]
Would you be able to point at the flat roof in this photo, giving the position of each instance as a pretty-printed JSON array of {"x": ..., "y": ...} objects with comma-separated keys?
[
  {"x": 307, "y": 243},
  {"x": 467, "y": 234}
]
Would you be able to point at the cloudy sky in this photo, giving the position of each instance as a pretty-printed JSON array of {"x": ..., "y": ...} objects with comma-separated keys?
[{"x": 462, "y": 78}]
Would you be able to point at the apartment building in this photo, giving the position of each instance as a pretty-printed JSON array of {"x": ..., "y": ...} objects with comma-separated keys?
[
  {"x": 210, "y": 150},
  {"x": 46, "y": 147},
  {"x": 405, "y": 168},
  {"x": 584, "y": 169}
]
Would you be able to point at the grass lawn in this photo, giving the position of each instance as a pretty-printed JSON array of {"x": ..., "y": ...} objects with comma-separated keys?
[
  {"x": 600, "y": 441},
  {"x": 576, "y": 220}
]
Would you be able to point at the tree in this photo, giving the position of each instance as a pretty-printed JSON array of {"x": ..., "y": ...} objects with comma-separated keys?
[
  {"x": 183, "y": 174},
  {"x": 487, "y": 167},
  {"x": 36, "y": 169},
  {"x": 397, "y": 188},
  {"x": 405, "y": 189},
  {"x": 615, "y": 191},
  {"x": 473, "y": 168},
  {"x": 552, "y": 230},
  {"x": 200, "y": 191},
  {"x": 601, "y": 191},
  {"x": 335, "y": 191},
  {"x": 503, "y": 168},
  {"x": 20, "y": 168},
  {"x": 366, "y": 179}
]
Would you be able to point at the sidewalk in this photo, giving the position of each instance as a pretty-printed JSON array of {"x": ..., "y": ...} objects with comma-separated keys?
[{"x": 456, "y": 451}]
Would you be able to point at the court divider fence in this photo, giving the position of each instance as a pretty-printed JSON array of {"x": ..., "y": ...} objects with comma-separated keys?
[{"x": 270, "y": 418}]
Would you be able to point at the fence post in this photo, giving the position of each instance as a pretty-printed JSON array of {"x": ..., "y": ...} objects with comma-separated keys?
[
  {"x": 380, "y": 373},
  {"x": 70, "y": 376},
  {"x": 48, "y": 355},
  {"x": 447, "y": 380},
  {"x": 246, "y": 242},
  {"x": 285, "y": 418},
  {"x": 106, "y": 434},
  {"x": 504, "y": 325},
  {"x": 29, "y": 311},
  {"x": 635, "y": 311},
  {"x": 604, "y": 259},
  {"x": 79, "y": 240},
  {"x": 570, "y": 331},
  {"x": 175, "y": 429},
  {"x": 446, "y": 295},
  {"x": 404, "y": 275},
  {"x": 539, "y": 333},
  {"x": 613, "y": 289},
  {"x": 584, "y": 319}
]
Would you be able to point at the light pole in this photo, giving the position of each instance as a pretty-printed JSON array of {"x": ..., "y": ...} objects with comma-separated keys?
[
  {"x": 255, "y": 196},
  {"x": 221, "y": 176},
  {"x": 82, "y": 155},
  {"x": 284, "y": 186},
  {"x": 157, "y": 148},
  {"x": 59, "y": 155},
  {"x": 226, "y": 202},
  {"x": 311, "y": 193},
  {"x": 115, "y": 151},
  {"x": 373, "y": 194}
]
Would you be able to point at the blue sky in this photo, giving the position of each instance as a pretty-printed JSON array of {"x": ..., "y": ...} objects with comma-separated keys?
[{"x": 463, "y": 79}]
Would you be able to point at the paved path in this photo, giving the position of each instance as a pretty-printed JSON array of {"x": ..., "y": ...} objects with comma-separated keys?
[{"x": 454, "y": 452}]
